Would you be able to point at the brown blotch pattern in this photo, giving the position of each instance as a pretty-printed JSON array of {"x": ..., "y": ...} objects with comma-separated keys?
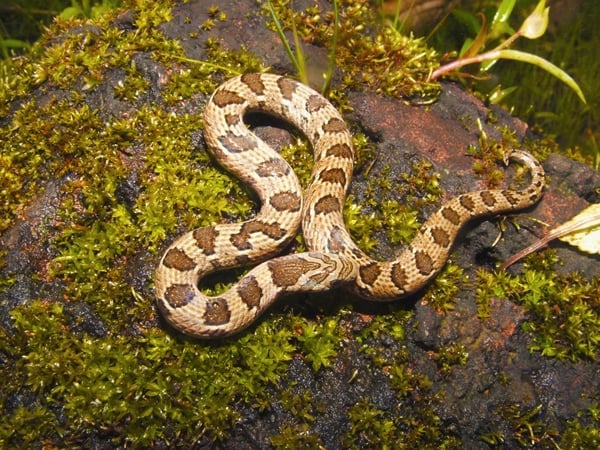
[
  {"x": 450, "y": 215},
  {"x": 287, "y": 87},
  {"x": 315, "y": 102},
  {"x": 273, "y": 168},
  {"x": 242, "y": 260},
  {"x": 217, "y": 312},
  {"x": 510, "y": 197},
  {"x": 223, "y": 98},
  {"x": 179, "y": 295},
  {"x": 340, "y": 151},
  {"x": 335, "y": 176},
  {"x": 232, "y": 119},
  {"x": 241, "y": 239},
  {"x": 286, "y": 272},
  {"x": 205, "y": 239},
  {"x": 285, "y": 201},
  {"x": 440, "y": 237},
  {"x": 237, "y": 144},
  {"x": 488, "y": 198},
  {"x": 398, "y": 276},
  {"x": 423, "y": 262},
  {"x": 369, "y": 273},
  {"x": 254, "y": 82},
  {"x": 335, "y": 243},
  {"x": 327, "y": 204},
  {"x": 249, "y": 291},
  {"x": 179, "y": 260},
  {"x": 467, "y": 202},
  {"x": 334, "y": 125}
]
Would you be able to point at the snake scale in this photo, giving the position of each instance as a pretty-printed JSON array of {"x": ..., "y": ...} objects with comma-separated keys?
[{"x": 333, "y": 259}]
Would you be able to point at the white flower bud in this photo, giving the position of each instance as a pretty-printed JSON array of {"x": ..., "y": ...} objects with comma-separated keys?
[{"x": 536, "y": 23}]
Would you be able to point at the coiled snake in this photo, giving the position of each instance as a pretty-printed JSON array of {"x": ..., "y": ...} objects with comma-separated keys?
[{"x": 333, "y": 258}]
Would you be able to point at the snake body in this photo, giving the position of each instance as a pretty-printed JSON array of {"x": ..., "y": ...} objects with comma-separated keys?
[{"x": 333, "y": 259}]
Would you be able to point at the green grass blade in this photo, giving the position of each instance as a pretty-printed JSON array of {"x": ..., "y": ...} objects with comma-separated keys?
[
  {"x": 542, "y": 63},
  {"x": 331, "y": 66},
  {"x": 281, "y": 33}
]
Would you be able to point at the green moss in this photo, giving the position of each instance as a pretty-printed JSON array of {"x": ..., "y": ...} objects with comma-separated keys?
[
  {"x": 128, "y": 385},
  {"x": 296, "y": 436},
  {"x": 366, "y": 48},
  {"x": 580, "y": 435},
  {"x": 412, "y": 422},
  {"x": 304, "y": 410},
  {"x": 380, "y": 212},
  {"x": 527, "y": 430},
  {"x": 7, "y": 281},
  {"x": 134, "y": 85},
  {"x": 446, "y": 286},
  {"x": 449, "y": 356},
  {"x": 563, "y": 317},
  {"x": 318, "y": 342},
  {"x": 198, "y": 77},
  {"x": 372, "y": 427},
  {"x": 131, "y": 386}
]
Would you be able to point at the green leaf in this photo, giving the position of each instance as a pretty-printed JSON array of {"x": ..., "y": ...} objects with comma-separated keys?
[
  {"x": 504, "y": 11},
  {"x": 468, "y": 19},
  {"x": 500, "y": 25},
  {"x": 70, "y": 12},
  {"x": 543, "y": 64},
  {"x": 13, "y": 43},
  {"x": 499, "y": 94}
]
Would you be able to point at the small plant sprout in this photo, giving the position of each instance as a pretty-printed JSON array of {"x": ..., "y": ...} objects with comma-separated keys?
[
  {"x": 533, "y": 27},
  {"x": 298, "y": 58}
]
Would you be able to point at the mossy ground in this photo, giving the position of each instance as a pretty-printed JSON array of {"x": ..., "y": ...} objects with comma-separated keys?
[{"x": 131, "y": 179}]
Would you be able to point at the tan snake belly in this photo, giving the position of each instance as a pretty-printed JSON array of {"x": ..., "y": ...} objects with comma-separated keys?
[{"x": 333, "y": 258}]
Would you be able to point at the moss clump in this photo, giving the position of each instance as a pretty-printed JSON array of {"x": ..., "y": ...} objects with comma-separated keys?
[
  {"x": 380, "y": 212},
  {"x": 304, "y": 408},
  {"x": 579, "y": 435},
  {"x": 412, "y": 421},
  {"x": 564, "y": 318},
  {"x": 198, "y": 76},
  {"x": 136, "y": 389},
  {"x": 446, "y": 286},
  {"x": 126, "y": 182},
  {"x": 73, "y": 55},
  {"x": 366, "y": 48}
]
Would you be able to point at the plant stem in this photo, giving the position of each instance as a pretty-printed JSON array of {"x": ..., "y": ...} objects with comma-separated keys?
[{"x": 487, "y": 56}]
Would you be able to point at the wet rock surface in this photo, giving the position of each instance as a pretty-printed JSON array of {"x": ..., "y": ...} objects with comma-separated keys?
[{"x": 498, "y": 369}]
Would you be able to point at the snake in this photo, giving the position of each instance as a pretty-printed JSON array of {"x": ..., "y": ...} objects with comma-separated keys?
[{"x": 332, "y": 260}]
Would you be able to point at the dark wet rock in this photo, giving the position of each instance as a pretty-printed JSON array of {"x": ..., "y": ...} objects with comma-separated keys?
[
  {"x": 83, "y": 319},
  {"x": 574, "y": 177}
]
